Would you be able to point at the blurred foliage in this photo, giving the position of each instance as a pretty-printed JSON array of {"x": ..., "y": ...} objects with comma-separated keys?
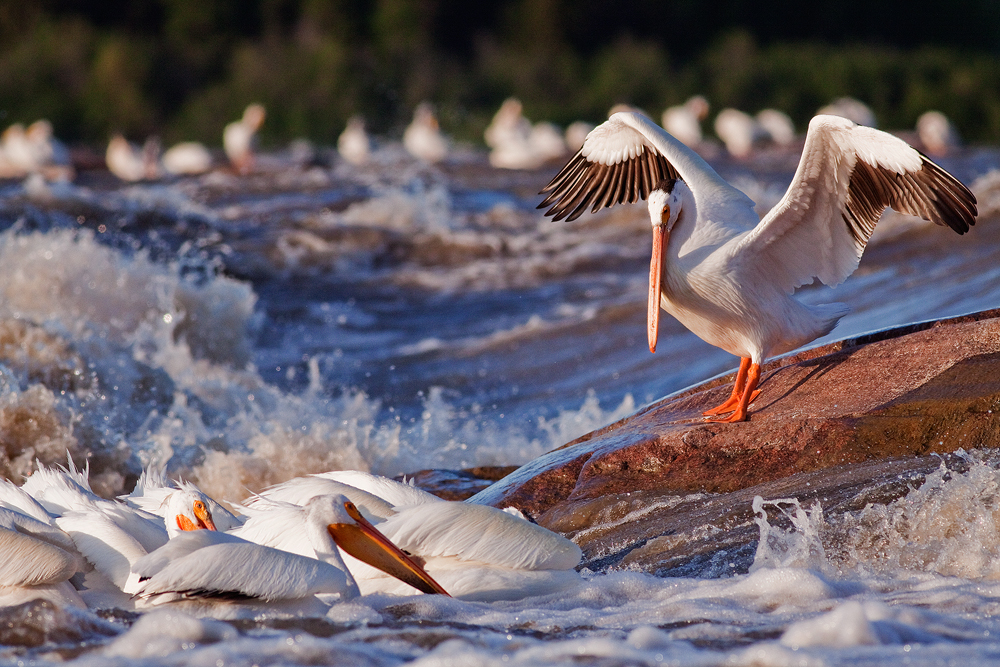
[{"x": 183, "y": 68}]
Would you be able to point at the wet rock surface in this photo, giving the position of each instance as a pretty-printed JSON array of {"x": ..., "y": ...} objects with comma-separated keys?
[
  {"x": 832, "y": 423},
  {"x": 457, "y": 484}
]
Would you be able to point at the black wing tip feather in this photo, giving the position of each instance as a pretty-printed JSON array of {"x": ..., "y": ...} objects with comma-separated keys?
[
  {"x": 929, "y": 192},
  {"x": 581, "y": 184},
  {"x": 956, "y": 204}
]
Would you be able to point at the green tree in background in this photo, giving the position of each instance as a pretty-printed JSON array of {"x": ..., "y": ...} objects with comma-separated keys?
[{"x": 183, "y": 68}]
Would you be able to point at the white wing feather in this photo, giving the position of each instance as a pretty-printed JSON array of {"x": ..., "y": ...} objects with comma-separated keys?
[
  {"x": 804, "y": 236},
  {"x": 103, "y": 543},
  {"x": 27, "y": 561},
  {"x": 393, "y": 492},
  {"x": 478, "y": 533},
  {"x": 231, "y": 565},
  {"x": 300, "y": 490}
]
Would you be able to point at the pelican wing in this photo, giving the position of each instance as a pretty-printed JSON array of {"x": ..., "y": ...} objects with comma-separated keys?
[
  {"x": 298, "y": 491},
  {"x": 478, "y": 533},
  {"x": 393, "y": 492},
  {"x": 846, "y": 178},
  {"x": 108, "y": 547},
  {"x": 226, "y": 566},
  {"x": 30, "y": 562},
  {"x": 280, "y": 526},
  {"x": 622, "y": 160}
]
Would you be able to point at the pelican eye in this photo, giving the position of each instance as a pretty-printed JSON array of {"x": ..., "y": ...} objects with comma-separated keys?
[
  {"x": 200, "y": 506},
  {"x": 352, "y": 510},
  {"x": 665, "y": 214}
]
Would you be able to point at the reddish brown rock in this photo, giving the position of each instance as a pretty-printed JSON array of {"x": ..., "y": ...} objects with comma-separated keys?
[{"x": 915, "y": 390}]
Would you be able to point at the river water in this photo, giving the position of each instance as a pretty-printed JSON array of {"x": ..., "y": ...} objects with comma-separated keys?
[{"x": 399, "y": 317}]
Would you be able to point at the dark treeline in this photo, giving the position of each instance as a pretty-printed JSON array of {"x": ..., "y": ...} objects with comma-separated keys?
[{"x": 182, "y": 68}]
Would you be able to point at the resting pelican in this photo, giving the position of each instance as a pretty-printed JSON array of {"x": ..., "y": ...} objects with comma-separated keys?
[
  {"x": 36, "y": 561},
  {"x": 739, "y": 131},
  {"x": 130, "y": 163},
  {"x": 475, "y": 551},
  {"x": 684, "y": 121},
  {"x": 206, "y": 567},
  {"x": 188, "y": 158},
  {"x": 727, "y": 275},
  {"x": 353, "y": 144},
  {"x": 777, "y": 125},
  {"x": 423, "y": 138},
  {"x": 182, "y": 505},
  {"x": 111, "y": 535},
  {"x": 936, "y": 133}
]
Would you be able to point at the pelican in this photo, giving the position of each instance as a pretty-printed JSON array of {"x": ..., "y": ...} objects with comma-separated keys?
[
  {"x": 777, "y": 125},
  {"x": 727, "y": 275},
  {"x": 110, "y": 535},
  {"x": 576, "y": 133},
  {"x": 188, "y": 158},
  {"x": 130, "y": 163},
  {"x": 739, "y": 131},
  {"x": 206, "y": 567},
  {"x": 238, "y": 137},
  {"x": 353, "y": 144},
  {"x": 684, "y": 121},
  {"x": 182, "y": 505},
  {"x": 423, "y": 138},
  {"x": 36, "y": 561},
  {"x": 852, "y": 109},
  {"x": 936, "y": 133},
  {"x": 475, "y": 551}
]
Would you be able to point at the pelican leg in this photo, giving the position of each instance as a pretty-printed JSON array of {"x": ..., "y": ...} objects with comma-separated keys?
[
  {"x": 738, "y": 386},
  {"x": 749, "y": 393}
]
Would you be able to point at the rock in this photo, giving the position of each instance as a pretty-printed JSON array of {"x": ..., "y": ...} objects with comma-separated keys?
[
  {"x": 456, "y": 484},
  {"x": 909, "y": 391},
  {"x": 712, "y": 535}
]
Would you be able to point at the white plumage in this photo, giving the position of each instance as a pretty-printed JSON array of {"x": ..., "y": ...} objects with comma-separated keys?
[
  {"x": 36, "y": 561},
  {"x": 211, "y": 568},
  {"x": 188, "y": 158},
  {"x": 725, "y": 274},
  {"x": 353, "y": 144},
  {"x": 474, "y": 551},
  {"x": 239, "y": 136},
  {"x": 422, "y": 137}
]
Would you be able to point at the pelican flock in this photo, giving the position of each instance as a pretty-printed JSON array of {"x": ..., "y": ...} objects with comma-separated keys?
[
  {"x": 724, "y": 273},
  {"x": 295, "y": 549},
  {"x": 476, "y": 552}
]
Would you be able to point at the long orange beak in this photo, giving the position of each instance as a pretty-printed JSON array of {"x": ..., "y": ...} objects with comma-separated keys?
[
  {"x": 365, "y": 543},
  {"x": 655, "y": 272}
]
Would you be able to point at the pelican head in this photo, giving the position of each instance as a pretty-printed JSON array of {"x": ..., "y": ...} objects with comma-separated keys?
[
  {"x": 355, "y": 535},
  {"x": 187, "y": 509},
  {"x": 664, "y": 204}
]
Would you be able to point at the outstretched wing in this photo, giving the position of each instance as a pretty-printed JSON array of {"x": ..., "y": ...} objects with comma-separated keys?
[
  {"x": 847, "y": 176},
  {"x": 621, "y": 161}
]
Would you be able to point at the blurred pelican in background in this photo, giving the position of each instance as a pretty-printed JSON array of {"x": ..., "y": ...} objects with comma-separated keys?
[
  {"x": 34, "y": 150},
  {"x": 739, "y": 131},
  {"x": 851, "y": 109},
  {"x": 516, "y": 143},
  {"x": 131, "y": 163},
  {"x": 354, "y": 144},
  {"x": 188, "y": 158},
  {"x": 238, "y": 138},
  {"x": 684, "y": 121},
  {"x": 777, "y": 126},
  {"x": 576, "y": 134},
  {"x": 423, "y": 138},
  {"x": 936, "y": 133}
]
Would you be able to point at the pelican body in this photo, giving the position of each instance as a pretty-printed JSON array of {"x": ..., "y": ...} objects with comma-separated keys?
[{"x": 729, "y": 276}]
